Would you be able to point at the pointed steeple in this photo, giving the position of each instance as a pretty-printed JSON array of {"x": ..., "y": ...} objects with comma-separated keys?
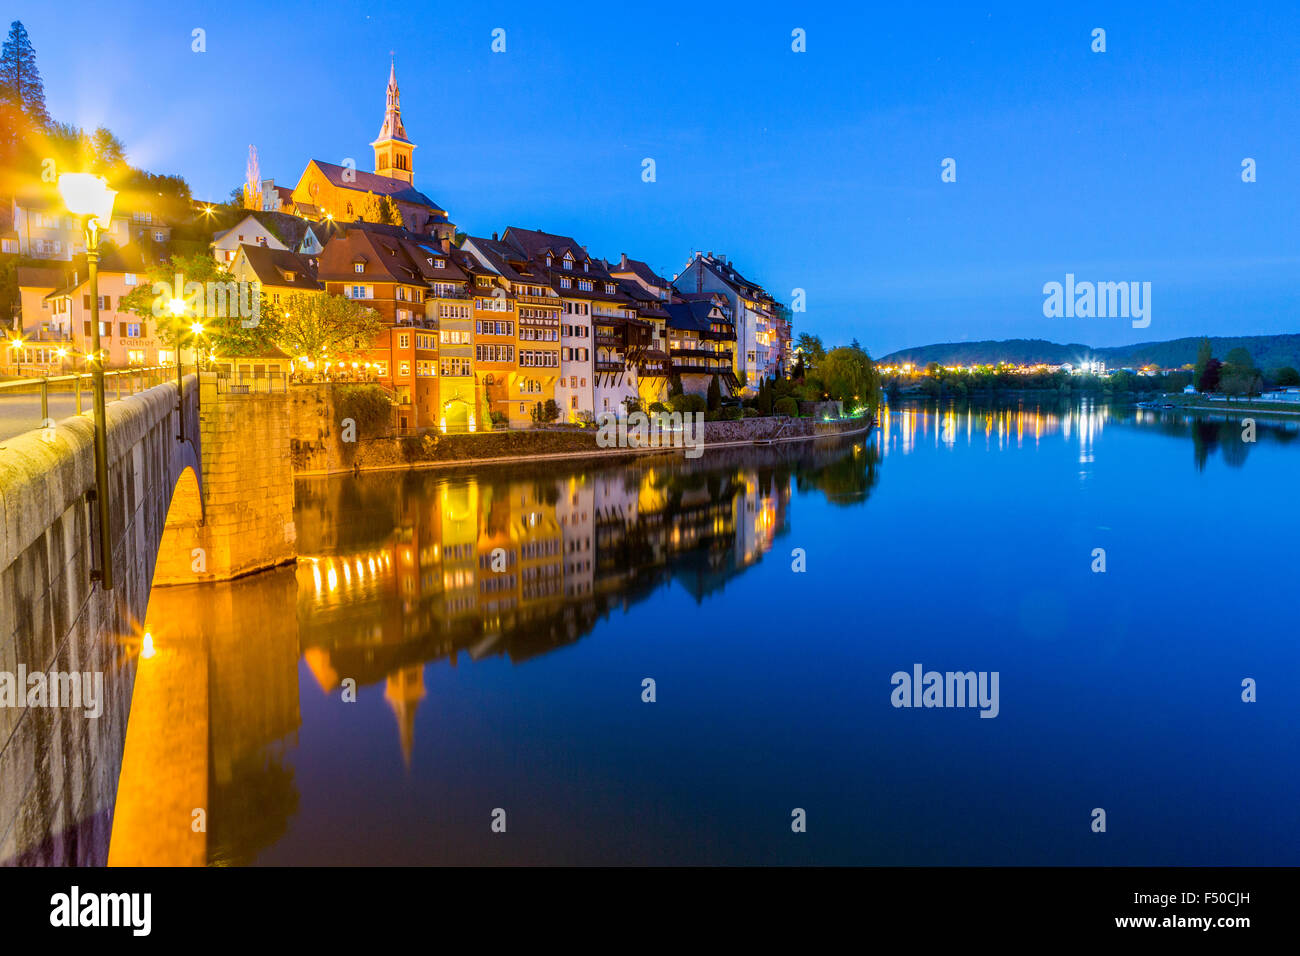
[
  {"x": 392, "y": 127},
  {"x": 392, "y": 148}
]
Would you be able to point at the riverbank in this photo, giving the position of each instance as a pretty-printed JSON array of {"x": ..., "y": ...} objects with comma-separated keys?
[
  {"x": 1271, "y": 409},
  {"x": 325, "y": 454}
]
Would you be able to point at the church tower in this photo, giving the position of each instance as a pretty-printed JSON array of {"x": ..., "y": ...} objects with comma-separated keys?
[{"x": 392, "y": 148}]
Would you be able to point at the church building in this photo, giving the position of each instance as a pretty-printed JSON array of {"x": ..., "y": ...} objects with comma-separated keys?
[{"x": 345, "y": 194}]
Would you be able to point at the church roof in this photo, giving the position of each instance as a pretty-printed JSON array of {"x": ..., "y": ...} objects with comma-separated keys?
[{"x": 363, "y": 182}]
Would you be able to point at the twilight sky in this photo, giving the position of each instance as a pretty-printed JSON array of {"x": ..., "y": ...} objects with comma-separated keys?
[{"x": 816, "y": 170}]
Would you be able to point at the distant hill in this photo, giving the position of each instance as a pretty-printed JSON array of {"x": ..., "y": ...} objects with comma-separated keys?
[{"x": 1269, "y": 352}]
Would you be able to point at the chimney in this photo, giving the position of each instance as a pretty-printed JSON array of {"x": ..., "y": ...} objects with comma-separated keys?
[
  {"x": 622, "y": 261},
  {"x": 494, "y": 237}
]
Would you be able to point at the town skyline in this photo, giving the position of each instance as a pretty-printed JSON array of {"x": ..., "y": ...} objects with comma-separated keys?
[{"x": 840, "y": 197}]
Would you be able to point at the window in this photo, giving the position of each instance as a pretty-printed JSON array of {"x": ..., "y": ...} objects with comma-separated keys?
[
  {"x": 146, "y": 217},
  {"x": 404, "y": 369},
  {"x": 160, "y": 236},
  {"x": 133, "y": 330},
  {"x": 360, "y": 292},
  {"x": 439, "y": 263},
  {"x": 381, "y": 369},
  {"x": 609, "y": 288},
  {"x": 129, "y": 278},
  {"x": 358, "y": 267},
  {"x": 566, "y": 282},
  {"x": 135, "y": 357},
  {"x": 586, "y": 285},
  {"x": 404, "y": 340}
]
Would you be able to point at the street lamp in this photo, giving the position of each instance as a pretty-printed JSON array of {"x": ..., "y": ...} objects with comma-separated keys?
[
  {"x": 89, "y": 198},
  {"x": 177, "y": 308}
]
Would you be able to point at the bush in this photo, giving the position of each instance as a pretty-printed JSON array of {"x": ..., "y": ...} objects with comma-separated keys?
[
  {"x": 715, "y": 394},
  {"x": 367, "y": 405},
  {"x": 786, "y": 406},
  {"x": 752, "y": 413},
  {"x": 658, "y": 407},
  {"x": 688, "y": 403}
]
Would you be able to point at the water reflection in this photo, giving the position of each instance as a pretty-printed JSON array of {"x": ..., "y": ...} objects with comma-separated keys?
[
  {"x": 1030, "y": 421},
  {"x": 401, "y": 569}
]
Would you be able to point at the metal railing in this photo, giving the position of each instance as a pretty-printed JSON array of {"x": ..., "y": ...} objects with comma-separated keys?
[{"x": 135, "y": 380}]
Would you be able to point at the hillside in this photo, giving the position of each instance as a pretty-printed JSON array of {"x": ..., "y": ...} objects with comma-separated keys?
[{"x": 1269, "y": 352}]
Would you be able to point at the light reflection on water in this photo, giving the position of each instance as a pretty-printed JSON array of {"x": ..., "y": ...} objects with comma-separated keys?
[{"x": 956, "y": 535}]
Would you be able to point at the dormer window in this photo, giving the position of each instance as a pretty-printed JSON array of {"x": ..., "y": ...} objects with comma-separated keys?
[
  {"x": 439, "y": 264},
  {"x": 586, "y": 266},
  {"x": 549, "y": 260},
  {"x": 358, "y": 267}
]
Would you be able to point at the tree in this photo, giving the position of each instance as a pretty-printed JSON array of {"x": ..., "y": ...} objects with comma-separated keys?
[
  {"x": 849, "y": 375},
  {"x": 318, "y": 326},
  {"x": 370, "y": 210},
  {"x": 810, "y": 349},
  {"x": 1203, "y": 355},
  {"x": 225, "y": 335},
  {"x": 675, "y": 385},
  {"x": 1286, "y": 376},
  {"x": 389, "y": 213},
  {"x": 715, "y": 394},
  {"x": 1239, "y": 356},
  {"x": 1208, "y": 378},
  {"x": 20, "y": 80}
]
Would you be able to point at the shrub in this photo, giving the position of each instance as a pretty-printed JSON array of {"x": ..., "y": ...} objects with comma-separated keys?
[
  {"x": 367, "y": 405},
  {"x": 786, "y": 406},
  {"x": 657, "y": 407},
  {"x": 688, "y": 403},
  {"x": 752, "y": 413},
  {"x": 715, "y": 394}
]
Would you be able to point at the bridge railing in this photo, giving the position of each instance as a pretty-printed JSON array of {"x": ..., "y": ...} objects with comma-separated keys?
[
  {"x": 249, "y": 384},
  {"x": 117, "y": 384}
]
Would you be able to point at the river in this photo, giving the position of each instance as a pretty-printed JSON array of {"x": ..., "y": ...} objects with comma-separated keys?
[{"x": 500, "y": 627}]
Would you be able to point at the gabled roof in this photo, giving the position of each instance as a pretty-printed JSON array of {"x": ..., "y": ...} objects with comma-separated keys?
[
  {"x": 38, "y": 277},
  {"x": 398, "y": 189},
  {"x": 274, "y": 267},
  {"x": 507, "y": 261},
  {"x": 638, "y": 268},
  {"x": 351, "y": 245}
]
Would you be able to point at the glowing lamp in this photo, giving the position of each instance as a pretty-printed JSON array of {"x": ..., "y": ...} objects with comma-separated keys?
[{"x": 86, "y": 194}]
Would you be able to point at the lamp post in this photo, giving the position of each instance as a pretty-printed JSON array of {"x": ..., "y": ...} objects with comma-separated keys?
[
  {"x": 177, "y": 307},
  {"x": 89, "y": 198}
]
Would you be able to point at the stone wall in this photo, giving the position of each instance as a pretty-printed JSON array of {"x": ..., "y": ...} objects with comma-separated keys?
[
  {"x": 316, "y": 445},
  {"x": 245, "y": 522},
  {"x": 59, "y": 768}
]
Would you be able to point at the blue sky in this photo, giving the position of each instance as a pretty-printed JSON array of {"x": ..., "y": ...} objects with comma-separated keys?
[{"x": 816, "y": 170}]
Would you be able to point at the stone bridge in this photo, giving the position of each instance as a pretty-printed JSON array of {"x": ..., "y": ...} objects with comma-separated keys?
[{"x": 211, "y": 506}]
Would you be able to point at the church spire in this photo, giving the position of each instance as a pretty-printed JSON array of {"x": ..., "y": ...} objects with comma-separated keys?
[
  {"x": 392, "y": 127},
  {"x": 392, "y": 148}
]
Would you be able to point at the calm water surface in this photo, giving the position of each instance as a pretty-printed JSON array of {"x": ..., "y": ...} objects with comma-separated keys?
[{"x": 959, "y": 539}]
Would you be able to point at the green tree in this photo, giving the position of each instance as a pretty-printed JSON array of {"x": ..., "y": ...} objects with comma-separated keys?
[
  {"x": 849, "y": 375},
  {"x": 389, "y": 213},
  {"x": 20, "y": 80},
  {"x": 810, "y": 348},
  {"x": 674, "y": 385},
  {"x": 1286, "y": 376},
  {"x": 715, "y": 394},
  {"x": 226, "y": 335},
  {"x": 319, "y": 326},
  {"x": 1203, "y": 355}
]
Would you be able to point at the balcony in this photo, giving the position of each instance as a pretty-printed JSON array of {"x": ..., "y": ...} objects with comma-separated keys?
[{"x": 605, "y": 365}]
